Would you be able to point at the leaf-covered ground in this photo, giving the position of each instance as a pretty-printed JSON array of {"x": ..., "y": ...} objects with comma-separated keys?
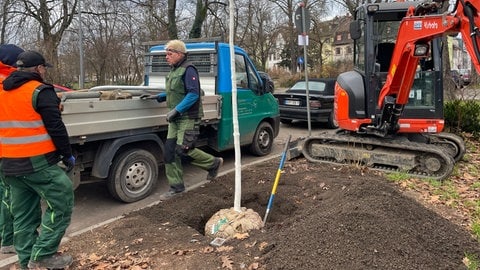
[{"x": 323, "y": 217}]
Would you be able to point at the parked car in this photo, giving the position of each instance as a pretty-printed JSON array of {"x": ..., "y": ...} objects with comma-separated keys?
[
  {"x": 268, "y": 80},
  {"x": 293, "y": 102},
  {"x": 466, "y": 76},
  {"x": 461, "y": 77}
]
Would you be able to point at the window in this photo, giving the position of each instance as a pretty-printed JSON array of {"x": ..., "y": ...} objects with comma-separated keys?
[
  {"x": 359, "y": 44},
  {"x": 338, "y": 51},
  {"x": 246, "y": 76},
  {"x": 241, "y": 72}
]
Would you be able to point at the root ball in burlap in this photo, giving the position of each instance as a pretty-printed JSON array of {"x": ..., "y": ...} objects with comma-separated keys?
[{"x": 228, "y": 222}]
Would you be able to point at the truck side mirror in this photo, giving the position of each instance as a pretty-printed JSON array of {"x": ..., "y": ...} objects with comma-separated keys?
[
  {"x": 264, "y": 86},
  {"x": 355, "y": 30}
]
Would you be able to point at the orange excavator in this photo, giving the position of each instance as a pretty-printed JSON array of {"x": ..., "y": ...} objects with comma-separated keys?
[{"x": 390, "y": 106}]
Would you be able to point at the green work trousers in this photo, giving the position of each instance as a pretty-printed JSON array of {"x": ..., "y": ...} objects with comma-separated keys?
[
  {"x": 183, "y": 149},
  {"x": 6, "y": 218},
  {"x": 53, "y": 186}
]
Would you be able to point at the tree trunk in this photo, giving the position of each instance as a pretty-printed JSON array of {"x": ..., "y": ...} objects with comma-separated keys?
[
  {"x": 200, "y": 16},
  {"x": 172, "y": 20}
]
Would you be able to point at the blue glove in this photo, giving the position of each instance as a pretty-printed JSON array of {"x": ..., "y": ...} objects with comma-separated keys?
[
  {"x": 69, "y": 163},
  {"x": 162, "y": 97},
  {"x": 171, "y": 115}
]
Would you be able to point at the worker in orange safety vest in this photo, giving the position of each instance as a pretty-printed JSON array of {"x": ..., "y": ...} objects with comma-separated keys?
[
  {"x": 34, "y": 139},
  {"x": 8, "y": 58}
]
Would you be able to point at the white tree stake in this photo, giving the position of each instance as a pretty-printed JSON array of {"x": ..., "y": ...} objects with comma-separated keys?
[{"x": 236, "y": 132}]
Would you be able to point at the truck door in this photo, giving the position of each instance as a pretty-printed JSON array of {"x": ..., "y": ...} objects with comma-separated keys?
[{"x": 254, "y": 104}]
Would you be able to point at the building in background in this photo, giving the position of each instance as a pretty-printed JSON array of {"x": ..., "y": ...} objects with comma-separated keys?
[{"x": 459, "y": 57}]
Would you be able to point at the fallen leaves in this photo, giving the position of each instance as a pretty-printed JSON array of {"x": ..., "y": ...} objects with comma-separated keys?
[
  {"x": 128, "y": 260},
  {"x": 181, "y": 252},
  {"x": 225, "y": 249},
  {"x": 241, "y": 236},
  {"x": 227, "y": 262},
  {"x": 262, "y": 245},
  {"x": 459, "y": 193}
]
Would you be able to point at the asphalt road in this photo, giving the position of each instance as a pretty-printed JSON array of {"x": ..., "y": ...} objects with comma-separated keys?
[{"x": 95, "y": 207}]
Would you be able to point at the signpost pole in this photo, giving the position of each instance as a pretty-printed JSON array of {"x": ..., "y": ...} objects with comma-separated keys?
[
  {"x": 305, "y": 68},
  {"x": 302, "y": 21}
]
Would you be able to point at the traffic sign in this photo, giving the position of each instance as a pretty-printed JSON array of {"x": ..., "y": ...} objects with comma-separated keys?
[{"x": 302, "y": 17}]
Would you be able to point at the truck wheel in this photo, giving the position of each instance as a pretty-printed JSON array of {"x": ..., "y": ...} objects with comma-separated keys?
[
  {"x": 263, "y": 140},
  {"x": 133, "y": 175}
]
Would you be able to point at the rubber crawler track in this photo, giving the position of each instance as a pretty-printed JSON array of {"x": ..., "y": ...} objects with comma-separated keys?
[{"x": 383, "y": 154}]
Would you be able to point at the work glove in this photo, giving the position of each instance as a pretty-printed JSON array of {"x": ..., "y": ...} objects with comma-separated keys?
[
  {"x": 160, "y": 97},
  {"x": 69, "y": 163},
  {"x": 171, "y": 115},
  {"x": 147, "y": 96}
]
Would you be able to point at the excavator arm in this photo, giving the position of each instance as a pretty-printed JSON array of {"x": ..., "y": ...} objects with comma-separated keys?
[{"x": 416, "y": 31}]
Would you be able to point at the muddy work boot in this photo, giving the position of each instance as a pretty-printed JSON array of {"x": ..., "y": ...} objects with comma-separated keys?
[
  {"x": 174, "y": 190},
  {"x": 213, "y": 172},
  {"x": 56, "y": 261}
]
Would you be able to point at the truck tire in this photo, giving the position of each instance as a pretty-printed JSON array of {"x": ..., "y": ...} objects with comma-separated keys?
[
  {"x": 133, "y": 175},
  {"x": 262, "y": 140}
]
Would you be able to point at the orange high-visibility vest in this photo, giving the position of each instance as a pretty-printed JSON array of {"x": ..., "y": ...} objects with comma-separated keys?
[
  {"x": 5, "y": 70},
  {"x": 22, "y": 133}
]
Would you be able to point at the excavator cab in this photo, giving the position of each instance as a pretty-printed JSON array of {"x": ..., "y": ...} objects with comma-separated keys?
[{"x": 374, "y": 31}]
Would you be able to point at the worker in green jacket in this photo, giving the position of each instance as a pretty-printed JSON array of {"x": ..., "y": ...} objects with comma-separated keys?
[{"x": 183, "y": 97}]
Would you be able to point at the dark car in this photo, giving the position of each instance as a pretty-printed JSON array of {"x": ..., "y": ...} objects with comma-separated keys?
[
  {"x": 293, "y": 102},
  {"x": 268, "y": 81},
  {"x": 460, "y": 77},
  {"x": 465, "y": 75}
]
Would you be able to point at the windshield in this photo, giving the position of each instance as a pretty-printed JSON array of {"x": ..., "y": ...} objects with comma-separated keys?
[{"x": 312, "y": 86}]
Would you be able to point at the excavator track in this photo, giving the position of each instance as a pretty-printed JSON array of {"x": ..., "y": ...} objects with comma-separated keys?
[
  {"x": 398, "y": 154},
  {"x": 454, "y": 144}
]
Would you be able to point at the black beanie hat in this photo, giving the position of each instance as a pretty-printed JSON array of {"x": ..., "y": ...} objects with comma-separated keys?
[{"x": 9, "y": 54}]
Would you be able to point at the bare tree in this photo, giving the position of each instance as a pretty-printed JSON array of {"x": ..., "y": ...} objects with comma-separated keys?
[
  {"x": 200, "y": 16},
  {"x": 4, "y": 20},
  {"x": 288, "y": 7},
  {"x": 54, "y": 19},
  {"x": 113, "y": 31},
  {"x": 349, "y": 5},
  {"x": 257, "y": 29},
  {"x": 154, "y": 23},
  {"x": 216, "y": 22}
]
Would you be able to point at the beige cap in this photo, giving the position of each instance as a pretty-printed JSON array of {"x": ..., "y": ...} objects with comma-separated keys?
[{"x": 176, "y": 46}]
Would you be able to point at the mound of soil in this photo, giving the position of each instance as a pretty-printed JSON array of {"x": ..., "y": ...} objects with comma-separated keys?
[{"x": 323, "y": 217}]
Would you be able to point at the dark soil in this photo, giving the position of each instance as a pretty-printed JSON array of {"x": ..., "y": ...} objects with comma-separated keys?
[{"x": 323, "y": 217}]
